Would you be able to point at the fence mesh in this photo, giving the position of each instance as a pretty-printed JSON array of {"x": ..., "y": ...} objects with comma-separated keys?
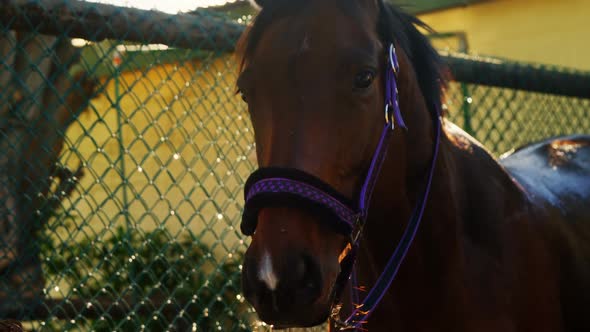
[
  {"x": 124, "y": 162},
  {"x": 505, "y": 119}
]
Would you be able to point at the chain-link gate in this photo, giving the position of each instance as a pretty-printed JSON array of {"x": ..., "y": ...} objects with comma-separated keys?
[{"x": 124, "y": 155}]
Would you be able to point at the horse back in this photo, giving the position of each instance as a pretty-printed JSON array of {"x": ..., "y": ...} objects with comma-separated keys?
[{"x": 555, "y": 174}]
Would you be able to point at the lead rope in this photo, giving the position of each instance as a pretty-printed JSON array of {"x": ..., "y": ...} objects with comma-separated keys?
[{"x": 362, "y": 311}]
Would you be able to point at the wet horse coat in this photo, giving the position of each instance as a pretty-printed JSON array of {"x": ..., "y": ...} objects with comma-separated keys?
[
  {"x": 503, "y": 246},
  {"x": 555, "y": 175}
]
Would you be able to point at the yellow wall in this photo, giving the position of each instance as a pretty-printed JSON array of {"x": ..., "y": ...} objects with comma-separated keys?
[
  {"x": 187, "y": 150},
  {"x": 543, "y": 31}
]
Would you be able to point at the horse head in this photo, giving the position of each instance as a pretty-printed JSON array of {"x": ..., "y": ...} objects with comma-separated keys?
[{"x": 315, "y": 78}]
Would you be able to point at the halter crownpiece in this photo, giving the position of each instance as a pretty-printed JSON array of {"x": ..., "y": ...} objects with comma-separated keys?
[{"x": 272, "y": 186}]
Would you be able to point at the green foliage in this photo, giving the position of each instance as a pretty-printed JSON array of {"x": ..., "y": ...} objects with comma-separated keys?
[{"x": 169, "y": 283}]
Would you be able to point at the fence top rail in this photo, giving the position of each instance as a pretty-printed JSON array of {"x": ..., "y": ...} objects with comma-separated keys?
[
  {"x": 97, "y": 21},
  {"x": 206, "y": 31},
  {"x": 519, "y": 76}
]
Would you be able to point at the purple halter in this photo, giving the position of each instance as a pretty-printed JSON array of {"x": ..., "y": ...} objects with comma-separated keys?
[{"x": 273, "y": 186}]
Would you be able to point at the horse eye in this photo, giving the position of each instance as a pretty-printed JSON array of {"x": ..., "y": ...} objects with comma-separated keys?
[
  {"x": 364, "y": 79},
  {"x": 242, "y": 95}
]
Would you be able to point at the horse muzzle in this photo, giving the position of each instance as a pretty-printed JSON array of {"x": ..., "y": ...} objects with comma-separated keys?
[{"x": 287, "y": 284}]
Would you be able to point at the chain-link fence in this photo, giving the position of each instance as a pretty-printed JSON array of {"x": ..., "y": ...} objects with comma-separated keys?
[
  {"x": 125, "y": 151},
  {"x": 506, "y": 105}
]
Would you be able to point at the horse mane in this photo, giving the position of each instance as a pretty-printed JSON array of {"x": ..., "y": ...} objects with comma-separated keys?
[
  {"x": 401, "y": 27},
  {"x": 393, "y": 25}
]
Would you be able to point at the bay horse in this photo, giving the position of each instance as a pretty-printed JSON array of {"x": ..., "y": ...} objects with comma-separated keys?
[{"x": 474, "y": 243}]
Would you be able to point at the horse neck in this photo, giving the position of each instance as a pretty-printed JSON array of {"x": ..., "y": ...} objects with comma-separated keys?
[{"x": 470, "y": 198}]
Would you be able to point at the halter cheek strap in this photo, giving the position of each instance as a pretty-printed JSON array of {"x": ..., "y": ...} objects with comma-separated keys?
[{"x": 273, "y": 187}]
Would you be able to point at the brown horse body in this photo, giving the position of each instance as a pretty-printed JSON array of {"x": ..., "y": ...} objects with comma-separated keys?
[
  {"x": 500, "y": 249},
  {"x": 502, "y": 246}
]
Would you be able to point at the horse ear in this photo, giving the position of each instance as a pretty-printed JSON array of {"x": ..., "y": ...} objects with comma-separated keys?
[{"x": 258, "y": 4}]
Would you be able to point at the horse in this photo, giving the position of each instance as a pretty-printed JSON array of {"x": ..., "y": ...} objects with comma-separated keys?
[{"x": 341, "y": 195}]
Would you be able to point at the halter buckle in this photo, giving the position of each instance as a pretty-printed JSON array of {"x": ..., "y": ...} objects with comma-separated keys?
[
  {"x": 357, "y": 230},
  {"x": 389, "y": 119}
]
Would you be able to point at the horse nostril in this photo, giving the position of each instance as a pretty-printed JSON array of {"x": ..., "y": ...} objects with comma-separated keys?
[
  {"x": 307, "y": 279},
  {"x": 301, "y": 268}
]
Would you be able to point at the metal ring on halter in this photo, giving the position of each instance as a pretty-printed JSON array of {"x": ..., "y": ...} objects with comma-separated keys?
[
  {"x": 338, "y": 323},
  {"x": 393, "y": 59}
]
